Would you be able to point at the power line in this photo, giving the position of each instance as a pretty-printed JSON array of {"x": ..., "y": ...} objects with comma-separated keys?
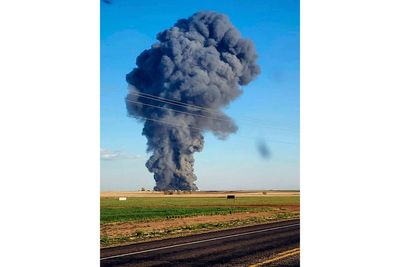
[
  {"x": 187, "y": 105},
  {"x": 184, "y": 112},
  {"x": 138, "y": 116},
  {"x": 172, "y": 100},
  {"x": 199, "y": 129},
  {"x": 191, "y": 106},
  {"x": 180, "y": 103}
]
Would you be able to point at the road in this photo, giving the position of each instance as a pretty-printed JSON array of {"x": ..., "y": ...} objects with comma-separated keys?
[{"x": 273, "y": 244}]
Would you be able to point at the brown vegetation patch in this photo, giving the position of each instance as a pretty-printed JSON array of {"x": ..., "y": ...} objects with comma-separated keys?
[{"x": 118, "y": 229}]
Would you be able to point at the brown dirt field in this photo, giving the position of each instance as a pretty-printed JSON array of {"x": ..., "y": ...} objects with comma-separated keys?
[
  {"x": 199, "y": 194},
  {"x": 128, "y": 228}
]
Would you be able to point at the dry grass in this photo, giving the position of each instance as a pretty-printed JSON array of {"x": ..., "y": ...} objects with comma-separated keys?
[{"x": 128, "y": 228}]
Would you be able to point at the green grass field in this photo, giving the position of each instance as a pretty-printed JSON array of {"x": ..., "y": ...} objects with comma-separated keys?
[{"x": 161, "y": 208}]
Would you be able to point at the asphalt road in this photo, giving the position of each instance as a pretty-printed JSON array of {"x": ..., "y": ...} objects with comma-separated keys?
[{"x": 273, "y": 244}]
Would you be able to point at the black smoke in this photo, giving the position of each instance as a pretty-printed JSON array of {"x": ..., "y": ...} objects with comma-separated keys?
[{"x": 200, "y": 61}]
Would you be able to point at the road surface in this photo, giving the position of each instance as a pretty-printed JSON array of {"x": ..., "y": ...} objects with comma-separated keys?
[{"x": 273, "y": 244}]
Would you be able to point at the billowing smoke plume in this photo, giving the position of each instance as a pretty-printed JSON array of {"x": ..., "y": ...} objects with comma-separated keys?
[{"x": 200, "y": 61}]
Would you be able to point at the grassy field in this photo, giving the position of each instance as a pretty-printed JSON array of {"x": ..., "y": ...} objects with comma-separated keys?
[
  {"x": 150, "y": 208},
  {"x": 153, "y": 216}
]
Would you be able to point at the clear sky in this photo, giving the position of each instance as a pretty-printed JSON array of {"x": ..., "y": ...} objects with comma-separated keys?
[{"x": 267, "y": 111}]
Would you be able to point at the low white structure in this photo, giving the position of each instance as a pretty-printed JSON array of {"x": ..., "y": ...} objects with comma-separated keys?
[{"x": 122, "y": 198}]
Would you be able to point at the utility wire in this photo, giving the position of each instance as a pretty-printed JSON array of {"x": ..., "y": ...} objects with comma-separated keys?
[
  {"x": 180, "y": 103},
  {"x": 191, "y": 106},
  {"x": 187, "y": 105},
  {"x": 171, "y": 100},
  {"x": 199, "y": 129},
  {"x": 138, "y": 116},
  {"x": 192, "y": 114},
  {"x": 184, "y": 112}
]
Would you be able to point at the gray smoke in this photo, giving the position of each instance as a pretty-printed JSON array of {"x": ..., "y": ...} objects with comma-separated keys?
[
  {"x": 263, "y": 149},
  {"x": 200, "y": 61}
]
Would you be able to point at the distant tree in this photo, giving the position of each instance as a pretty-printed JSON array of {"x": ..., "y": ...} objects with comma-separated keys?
[{"x": 143, "y": 189}]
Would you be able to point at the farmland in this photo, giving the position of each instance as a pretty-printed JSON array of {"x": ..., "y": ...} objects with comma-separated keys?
[{"x": 154, "y": 215}]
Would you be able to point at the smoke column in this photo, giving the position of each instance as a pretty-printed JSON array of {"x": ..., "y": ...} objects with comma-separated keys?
[{"x": 200, "y": 61}]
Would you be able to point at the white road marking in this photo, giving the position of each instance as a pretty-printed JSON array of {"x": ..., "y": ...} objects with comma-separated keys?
[{"x": 197, "y": 242}]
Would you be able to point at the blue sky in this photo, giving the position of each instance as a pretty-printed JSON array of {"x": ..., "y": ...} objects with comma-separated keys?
[{"x": 267, "y": 110}]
